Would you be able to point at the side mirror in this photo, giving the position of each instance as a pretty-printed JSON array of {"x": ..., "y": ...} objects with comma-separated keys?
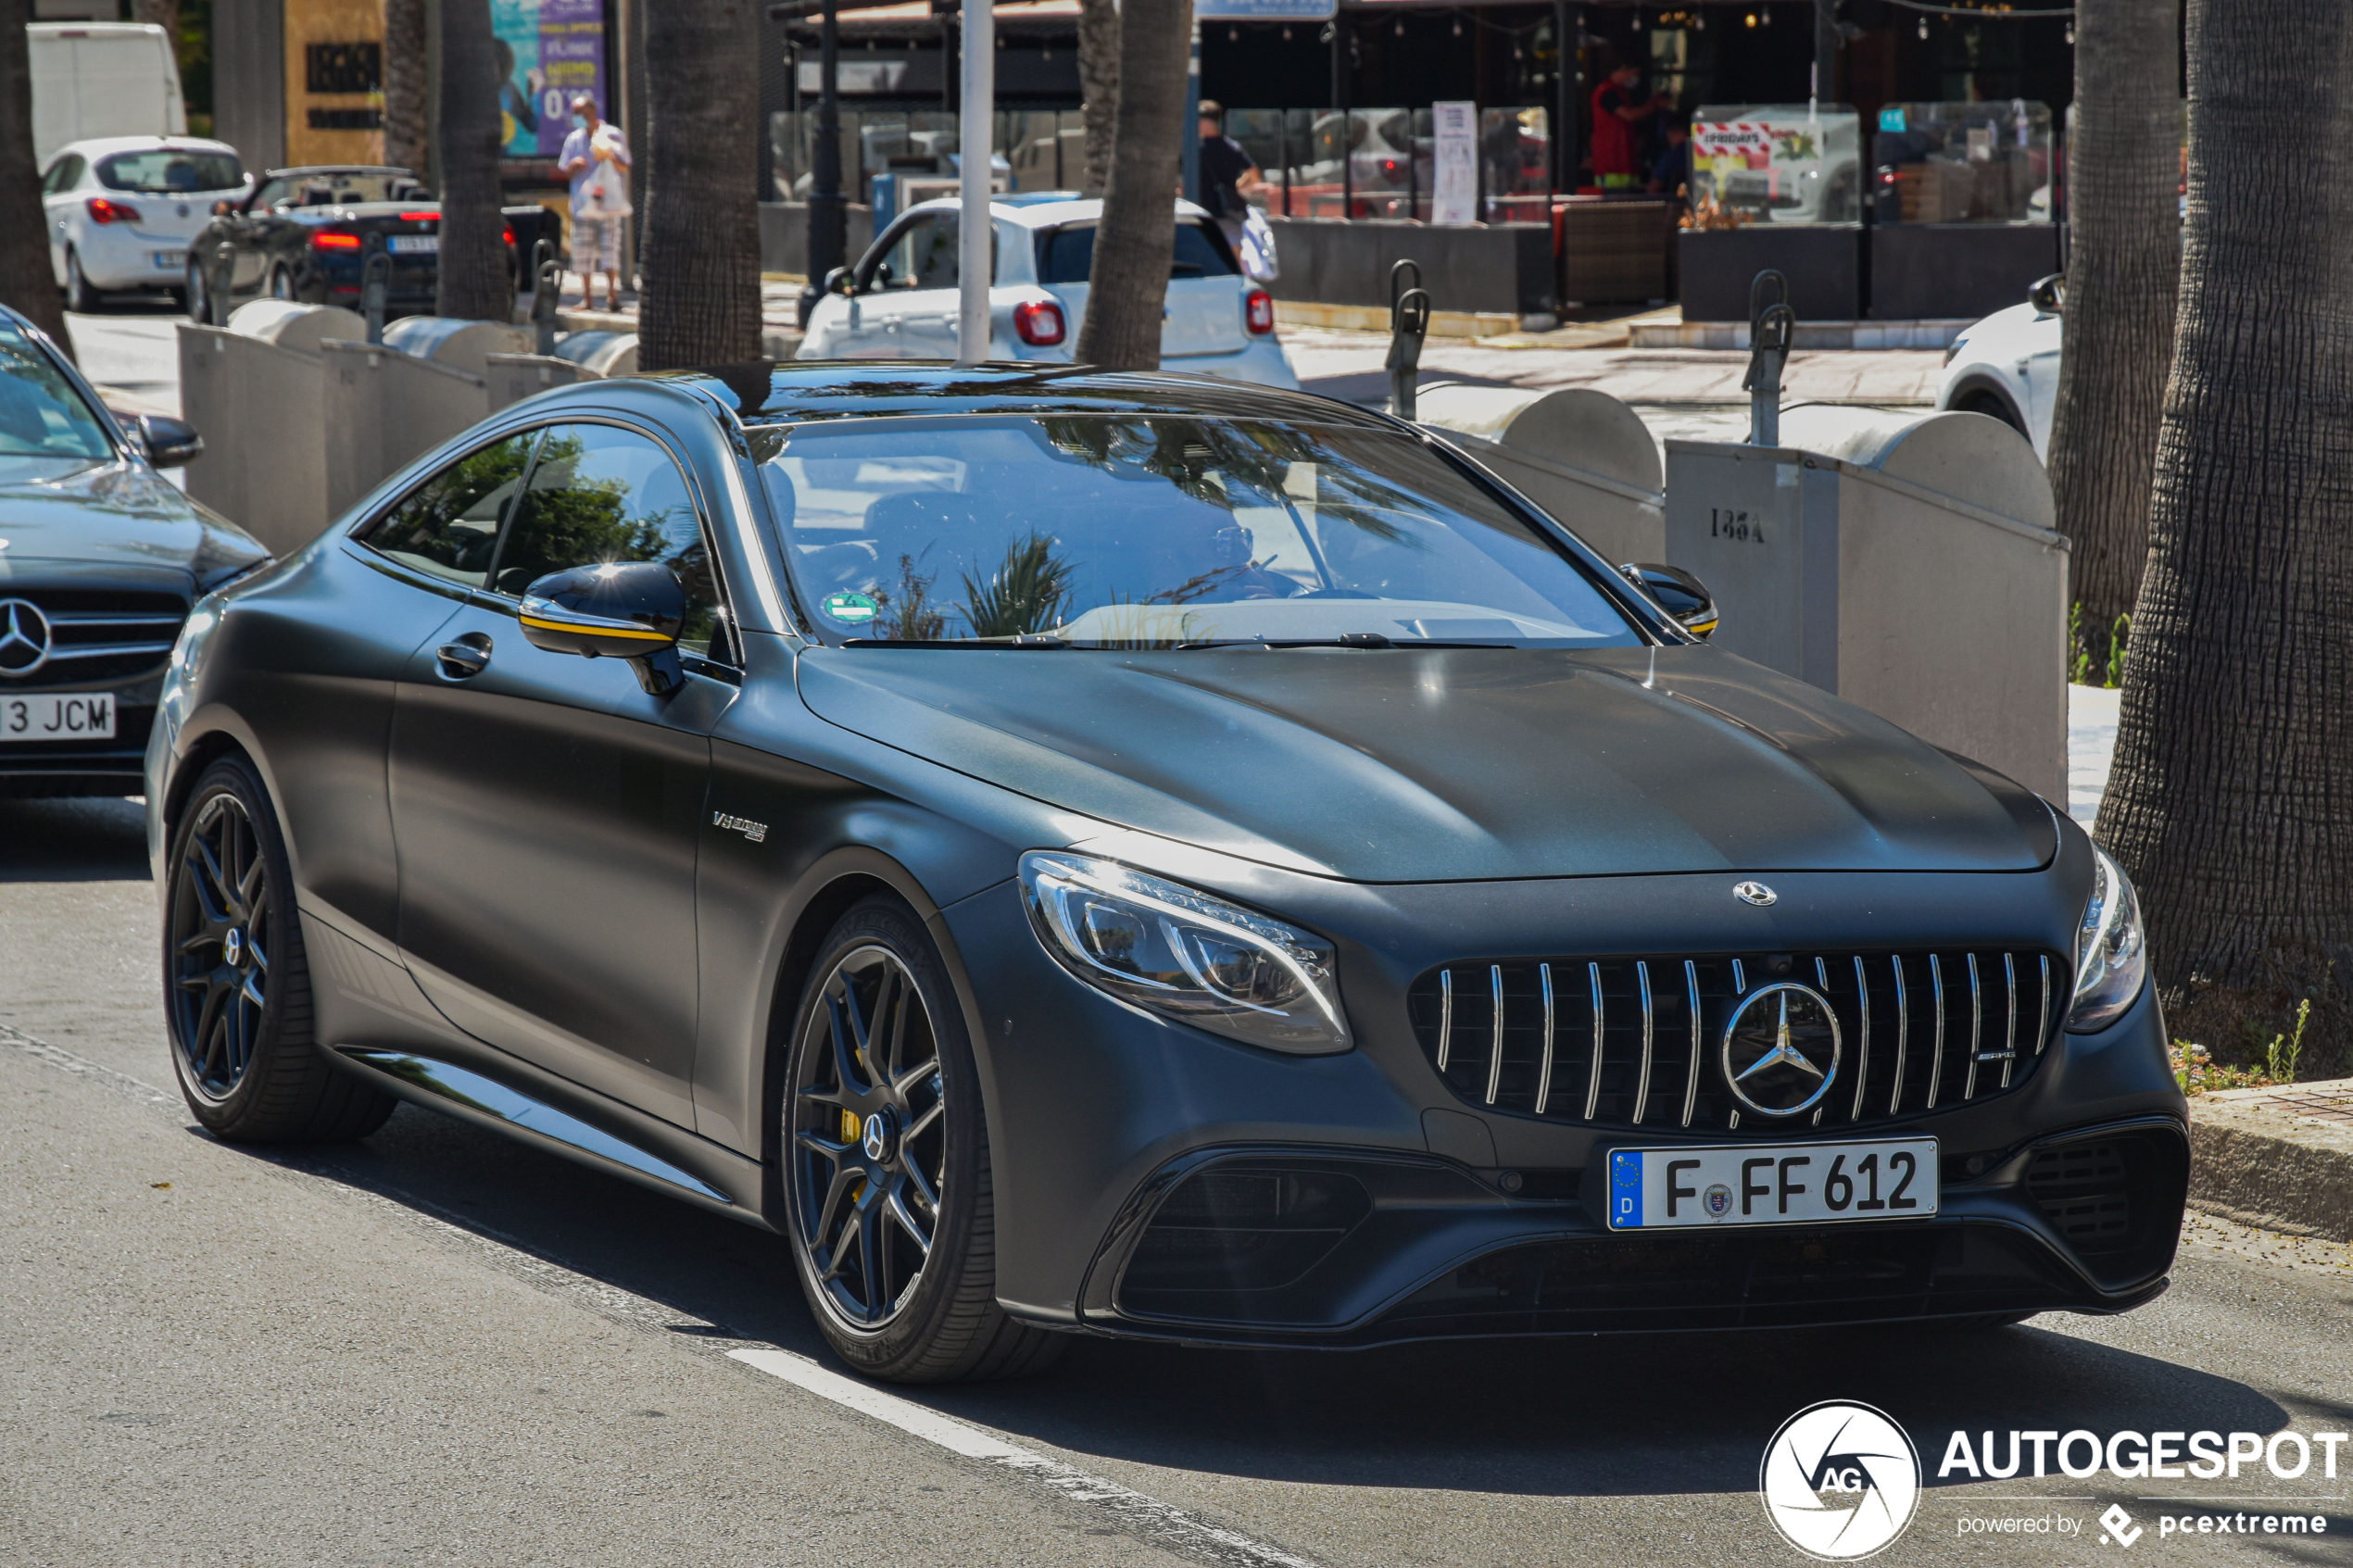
[
  {"x": 623, "y": 609},
  {"x": 1684, "y": 596},
  {"x": 2049, "y": 294},
  {"x": 169, "y": 443},
  {"x": 840, "y": 281}
]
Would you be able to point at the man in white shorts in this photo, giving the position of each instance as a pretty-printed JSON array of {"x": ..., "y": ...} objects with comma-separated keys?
[{"x": 596, "y": 225}]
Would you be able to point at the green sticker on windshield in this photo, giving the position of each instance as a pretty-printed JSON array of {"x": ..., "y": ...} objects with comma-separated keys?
[{"x": 850, "y": 609}]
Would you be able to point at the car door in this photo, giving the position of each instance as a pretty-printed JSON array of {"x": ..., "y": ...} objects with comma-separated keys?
[
  {"x": 57, "y": 198},
  {"x": 545, "y": 808},
  {"x": 907, "y": 301}
]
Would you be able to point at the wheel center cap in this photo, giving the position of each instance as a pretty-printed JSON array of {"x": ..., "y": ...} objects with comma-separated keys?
[
  {"x": 878, "y": 1135},
  {"x": 232, "y": 947}
]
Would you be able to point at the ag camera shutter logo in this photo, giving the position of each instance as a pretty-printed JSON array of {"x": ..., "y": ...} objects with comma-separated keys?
[{"x": 1840, "y": 1481}]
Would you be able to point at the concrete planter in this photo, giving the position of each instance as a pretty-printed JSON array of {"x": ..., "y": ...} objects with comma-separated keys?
[
  {"x": 1969, "y": 271},
  {"x": 1823, "y": 265},
  {"x": 1485, "y": 267}
]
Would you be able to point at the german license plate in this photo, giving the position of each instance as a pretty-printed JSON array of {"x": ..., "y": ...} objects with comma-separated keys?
[
  {"x": 58, "y": 716},
  {"x": 170, "y": 261},
  {"x": 1801, "y": 1184},
  {"x": 417, "y": 244}
]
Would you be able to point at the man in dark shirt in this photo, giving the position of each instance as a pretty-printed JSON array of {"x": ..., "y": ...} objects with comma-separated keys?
[
  {"x": 1227, "y": 177},
  {"x": 1673, "y": 169}
]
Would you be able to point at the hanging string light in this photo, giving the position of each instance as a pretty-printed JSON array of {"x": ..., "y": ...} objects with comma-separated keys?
[{"x": 1923, "y": 30}]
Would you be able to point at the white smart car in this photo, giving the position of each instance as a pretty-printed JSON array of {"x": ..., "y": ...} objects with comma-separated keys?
[
  {"x": 899, "y": 301},
  {"x": 2008, "y": 364},
  {"x": 123, "y": 209}
]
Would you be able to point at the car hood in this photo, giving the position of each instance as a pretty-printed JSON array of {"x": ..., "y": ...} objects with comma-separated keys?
[
  {"x": 60, "y": 514},
  {"x": 1446, "y": 765}
]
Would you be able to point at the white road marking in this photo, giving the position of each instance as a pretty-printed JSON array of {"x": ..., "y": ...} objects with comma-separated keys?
[
  {"x": 1168, "y": 1526},
  {"x": 1148, "y": 1519}
]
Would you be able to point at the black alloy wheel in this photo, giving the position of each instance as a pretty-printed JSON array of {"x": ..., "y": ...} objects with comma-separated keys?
[
  {"x": 886, "y": 1164},
  {"x": 281, "y": 283},
  {"x": 236, "y": 980},
  {"x": 81, "y": 299}
]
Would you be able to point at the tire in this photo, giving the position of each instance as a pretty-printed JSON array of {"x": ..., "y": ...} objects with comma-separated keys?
[
  {"x": 195, "y": 299},
  {"x": 1993, "y": 406},
  {"x": 281, "y": 283},
  {"x": 891, "y": 1305},
  {"x": 236, "y": 983},
  {"x": 81, "y": 299}
]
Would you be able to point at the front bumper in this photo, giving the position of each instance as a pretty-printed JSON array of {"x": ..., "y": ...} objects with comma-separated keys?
[{"x": 1126, "y": 1148}]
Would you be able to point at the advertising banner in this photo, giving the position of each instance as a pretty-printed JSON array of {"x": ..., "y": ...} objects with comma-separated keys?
[
  {"x": 1454, "y": 188},
  {"x": 547, "y": 51}
]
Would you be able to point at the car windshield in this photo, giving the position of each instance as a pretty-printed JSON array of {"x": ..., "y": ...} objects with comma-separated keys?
[
  {"x": 40, "y": 414},
  {"x": 335, "y": 187},
  {"x": 1068, "y": 254},
  {"x": 1157, "y": 531},
  {"x": 170, "y": 171}
]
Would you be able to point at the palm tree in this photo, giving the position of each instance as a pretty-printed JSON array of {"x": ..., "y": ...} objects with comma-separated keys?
[
  {"x": 473, "y": 253},
  {"x": 2123, "y": 276},
  {"x": 406, "y": 138},
  {"x": 701, "y": 256},
  {"x": 1098, "y": 89},
  {"x": 1128, "y": 289},
  {"x": 26, "y": 282},
  {"x": 2232, "y": 800}
]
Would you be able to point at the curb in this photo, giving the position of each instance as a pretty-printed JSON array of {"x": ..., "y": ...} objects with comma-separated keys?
[{"x": 2281, "y": 1158}]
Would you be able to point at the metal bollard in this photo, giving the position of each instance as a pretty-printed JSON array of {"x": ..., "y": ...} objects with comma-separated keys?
[
  {"x": 375, "y": 286},
  {"x": 548, "y": 282},
  {"x": 1771, "y": 329},
  {"x": 1408, "y": 324}
]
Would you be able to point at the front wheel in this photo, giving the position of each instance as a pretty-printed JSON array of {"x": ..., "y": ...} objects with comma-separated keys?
[
  {"x": 236, "y": 983},
  {"x": 886, "y": 1178},
  {"x": 281, "y": 283}
]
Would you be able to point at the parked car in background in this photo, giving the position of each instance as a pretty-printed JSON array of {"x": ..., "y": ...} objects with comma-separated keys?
[
  {"x": 305, "y": 233},
  {"x": 900, "y": 300},
  {"x": 2006, "y": 365},
  {"x": 122, "y": 211},
  {"x": 100, "y": 558},
  {"x": 93, "y": 80}
]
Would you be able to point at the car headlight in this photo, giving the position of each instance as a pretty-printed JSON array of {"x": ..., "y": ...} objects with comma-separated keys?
[
  {"x": 2111, "y": 949},
  {"x": 1185, "y": 955}
]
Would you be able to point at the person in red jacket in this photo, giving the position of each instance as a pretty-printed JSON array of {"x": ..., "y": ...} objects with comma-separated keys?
[{"x": 1617, "y": 163}]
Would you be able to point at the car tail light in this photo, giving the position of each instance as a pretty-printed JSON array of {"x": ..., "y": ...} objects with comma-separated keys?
[
  {"x": 333, "y": 239},
  {"x": 1039, "y": 322},
  {"x": 509, "y": 233},
  {"x": 105, "y": 211},
  {"x": 1258, "y": 311},
  {"x": 420, "y": 218}
]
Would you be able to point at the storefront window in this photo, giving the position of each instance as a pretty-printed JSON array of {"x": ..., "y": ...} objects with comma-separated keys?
[
  {"x": 1046, "y": 150},
  {"x": 1390, "y": 161},
  {"x": 1775, "y": 163},
  {"x": 1962, "y": 163}
]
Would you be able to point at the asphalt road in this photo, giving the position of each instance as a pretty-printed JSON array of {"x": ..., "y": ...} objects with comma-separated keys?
[{"x": 437, "y": 1347}]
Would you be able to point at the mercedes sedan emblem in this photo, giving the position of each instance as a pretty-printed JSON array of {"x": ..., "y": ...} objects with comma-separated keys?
[
  {"x": 1781, "y": 1050},
  {"x": 878, "y": 1135},
  {"x": 1754, "y": 892},
  {"x": 24, "y": 637}
]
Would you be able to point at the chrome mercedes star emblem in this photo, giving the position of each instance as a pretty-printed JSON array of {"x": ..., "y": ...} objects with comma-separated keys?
[
  {"x": 1782, "y": 1049},
  {"x": 877, "y": 1137},
  {"x": 24, "y": 637},
  {"x": 1754, "y": 892}
]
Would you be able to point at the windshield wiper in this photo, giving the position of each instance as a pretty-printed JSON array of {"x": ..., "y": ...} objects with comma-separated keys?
[
  {"x": 1345, "y": 640},
  {"x": 1024, "y": 641}
]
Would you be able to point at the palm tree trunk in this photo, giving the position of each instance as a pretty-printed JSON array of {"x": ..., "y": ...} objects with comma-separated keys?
[
  {"x": 1098, "y": 88},
  {"x": 2123, "y": 277},
  {"x": 406, "y": 143},
  {"x": 473, "y": 253},
  {"x": 1128, "y": 289},
  {"x": 26, "y": 282},
  {"x": 2232, "y": 800},
  {"x": 702, "y": 205}
]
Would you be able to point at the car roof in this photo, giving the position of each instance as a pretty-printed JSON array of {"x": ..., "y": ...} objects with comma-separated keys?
[
  {"x": 106, "y": 146},
  {"x": 795, "y": 392},
  {"x": 1044, "y": 209}
]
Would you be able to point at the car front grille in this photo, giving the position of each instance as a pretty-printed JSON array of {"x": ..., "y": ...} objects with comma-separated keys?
[
  {"x": 102, "y": 634},
  {"x": 1625, "y": 1041}
]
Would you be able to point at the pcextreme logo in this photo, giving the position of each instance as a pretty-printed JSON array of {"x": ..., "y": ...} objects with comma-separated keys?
[{"x": 1840, "y": 1481}]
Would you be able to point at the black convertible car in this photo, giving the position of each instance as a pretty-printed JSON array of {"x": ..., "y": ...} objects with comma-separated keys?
[
  {"x": 1137, "y": 855},
  {"x": 100, "y": 558},
  {"x": 305, "y": 233}
]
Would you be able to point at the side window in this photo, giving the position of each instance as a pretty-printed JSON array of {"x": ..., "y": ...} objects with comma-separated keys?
[
  {"x": 924, "y": 256},
  {"x": 449, "y": 525},
  {"x": 63, "y": 174},
  {"x": 273, "y": 191},
  {"x": 602, "y": 494}
]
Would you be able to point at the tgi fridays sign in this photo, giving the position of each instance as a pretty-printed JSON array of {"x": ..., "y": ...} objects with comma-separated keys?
[{"x": 1747, "y": 160}]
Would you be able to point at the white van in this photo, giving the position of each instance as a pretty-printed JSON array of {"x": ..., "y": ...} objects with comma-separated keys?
[{"x": 102, "y": 79}]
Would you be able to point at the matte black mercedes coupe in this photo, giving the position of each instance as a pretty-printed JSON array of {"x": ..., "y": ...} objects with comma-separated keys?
[{"x": 1144, "y": 855}]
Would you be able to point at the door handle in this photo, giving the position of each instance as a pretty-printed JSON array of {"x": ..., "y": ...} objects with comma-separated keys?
[{"x": 469, "y": 656}]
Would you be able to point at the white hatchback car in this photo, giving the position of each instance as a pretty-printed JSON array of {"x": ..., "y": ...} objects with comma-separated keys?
[
  {"x": 122, "y": 210},
  {"x": 2008, "y": 364},
  {"x": 899, "y": 301}
]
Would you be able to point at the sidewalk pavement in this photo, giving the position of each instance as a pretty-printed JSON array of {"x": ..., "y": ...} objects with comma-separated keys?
[{"x": 2278, "y": 1157}]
